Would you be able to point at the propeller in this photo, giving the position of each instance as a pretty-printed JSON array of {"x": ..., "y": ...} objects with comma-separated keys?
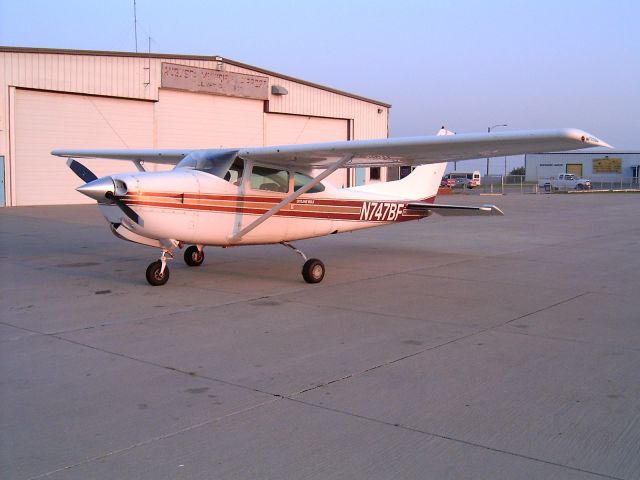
[
  {"x": 80, "y": 170},
  {"x": 126, "y": 209},
  {"x": 100, "y": 189}
]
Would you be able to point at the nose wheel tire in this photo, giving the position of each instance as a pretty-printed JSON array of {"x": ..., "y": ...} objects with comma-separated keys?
[
  {"x": 313, "y": 271},
  {"x": 193, "y": 257},
  {"x": 155, "y": 275}
]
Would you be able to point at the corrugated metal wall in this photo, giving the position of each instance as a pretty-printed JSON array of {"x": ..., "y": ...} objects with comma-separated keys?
[{"x": 138, "y": 77}]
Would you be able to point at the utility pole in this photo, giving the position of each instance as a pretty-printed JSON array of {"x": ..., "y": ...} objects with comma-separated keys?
[
  {"x": 135, "y": 24},
  {"x": 489, "y": 131}
]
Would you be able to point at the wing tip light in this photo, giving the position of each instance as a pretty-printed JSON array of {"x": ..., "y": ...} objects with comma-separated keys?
[{"x": 586, "y": 138}]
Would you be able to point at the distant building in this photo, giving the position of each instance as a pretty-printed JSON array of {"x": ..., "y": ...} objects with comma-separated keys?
[
  {"x": 87, "y": 99},
  {"x": 602, "y": 167}
]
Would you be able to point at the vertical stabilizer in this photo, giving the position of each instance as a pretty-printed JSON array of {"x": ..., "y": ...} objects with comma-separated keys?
[{"x": 422, "y": 183}]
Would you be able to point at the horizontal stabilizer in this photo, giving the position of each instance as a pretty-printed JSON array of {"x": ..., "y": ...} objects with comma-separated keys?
[{"x": 455, "y": 210}]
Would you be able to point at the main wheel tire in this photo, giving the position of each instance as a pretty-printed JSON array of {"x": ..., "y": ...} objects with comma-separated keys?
[
  {"x": 193, "y": 257},
  {"x": 313, "y": 271},
  {"x": 154, "y": 277}
]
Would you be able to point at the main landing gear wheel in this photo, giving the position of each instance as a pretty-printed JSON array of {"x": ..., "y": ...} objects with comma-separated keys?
[
  {"x": 313, "y": 271},
  {"x": 156, "y": 275},
  {"x": 193, "y": 256}
]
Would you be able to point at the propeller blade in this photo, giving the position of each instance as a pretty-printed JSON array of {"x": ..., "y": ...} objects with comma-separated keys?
[
  {"x": 126, "y": 209},
  {"x": 80, "y": 170}
]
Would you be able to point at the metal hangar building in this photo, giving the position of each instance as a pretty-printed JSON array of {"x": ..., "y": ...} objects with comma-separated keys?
[
  {"x": 53, "y": 98},
  {"x": 603, "y": 167}
]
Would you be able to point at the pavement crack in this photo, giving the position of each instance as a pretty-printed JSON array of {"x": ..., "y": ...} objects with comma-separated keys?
[
  {"x": 432, "y": 347},
  {"x": 157, "y": 438},
  {"x": 561, "y": 302},
  {"x": 453, "y": 439}
]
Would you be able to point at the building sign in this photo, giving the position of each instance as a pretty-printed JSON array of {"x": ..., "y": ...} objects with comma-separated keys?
[
  {"x": 204, "y": 80},
  {"x": 607, "y": 165}
]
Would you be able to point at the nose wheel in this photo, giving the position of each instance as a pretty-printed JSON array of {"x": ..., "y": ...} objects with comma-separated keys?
[
  {"x": 158, "y": 272},
  {"x": 312, "y": 270}
]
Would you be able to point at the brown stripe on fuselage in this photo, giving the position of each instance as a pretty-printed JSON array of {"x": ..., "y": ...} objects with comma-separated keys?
[{"x": 330, "y": 209}]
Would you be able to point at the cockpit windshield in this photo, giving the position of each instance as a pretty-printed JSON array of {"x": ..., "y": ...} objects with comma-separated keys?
[
  {"x": 230, "y": 167},
  {"x": 216, "y": 163}
]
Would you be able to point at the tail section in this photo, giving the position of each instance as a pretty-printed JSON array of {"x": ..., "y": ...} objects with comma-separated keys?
[{"x": 422, "y": 183}]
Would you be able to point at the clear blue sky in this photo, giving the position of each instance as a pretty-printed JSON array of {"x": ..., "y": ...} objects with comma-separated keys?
[{"x": 465, "y": 64}]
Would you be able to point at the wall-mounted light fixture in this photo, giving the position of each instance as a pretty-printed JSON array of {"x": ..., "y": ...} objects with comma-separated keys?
[
  {"x": 278, "y": 90},
  {"x": 380, "y": 110}
]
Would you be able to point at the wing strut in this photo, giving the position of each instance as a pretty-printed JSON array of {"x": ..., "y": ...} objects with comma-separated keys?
[{"x": 287, "y": 200}]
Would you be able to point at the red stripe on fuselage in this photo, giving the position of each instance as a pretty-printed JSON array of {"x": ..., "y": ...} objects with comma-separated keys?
[{"x": 358, "y": 210}]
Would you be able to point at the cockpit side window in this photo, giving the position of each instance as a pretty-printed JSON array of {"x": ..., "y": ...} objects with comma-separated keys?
[
  {"x": 269, "y": 179},
  {"x": 234, "y": 175},
  {"x": 300, "y": 180}
]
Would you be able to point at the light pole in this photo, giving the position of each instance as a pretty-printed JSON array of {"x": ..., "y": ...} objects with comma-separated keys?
[{"x": 489, "y": 131}]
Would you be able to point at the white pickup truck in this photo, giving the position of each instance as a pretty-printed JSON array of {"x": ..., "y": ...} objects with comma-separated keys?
[{"x": 565, "y": 181}]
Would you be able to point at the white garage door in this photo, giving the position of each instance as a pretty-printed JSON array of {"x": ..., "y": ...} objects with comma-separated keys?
[
  {"x": 284, "y": 129},
  {"x": 198, "y": 120},
  {"x": 44, "y": 121}
]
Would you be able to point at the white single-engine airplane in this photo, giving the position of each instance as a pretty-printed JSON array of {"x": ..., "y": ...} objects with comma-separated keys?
[{"x": 266, "y": 195}]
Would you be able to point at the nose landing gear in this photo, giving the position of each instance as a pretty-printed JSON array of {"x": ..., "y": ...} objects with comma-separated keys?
[{"x": 158, "y": 272}]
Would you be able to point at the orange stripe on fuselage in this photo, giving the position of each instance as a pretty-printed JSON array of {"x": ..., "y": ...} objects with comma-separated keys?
[{"x": 330, "y": 209}]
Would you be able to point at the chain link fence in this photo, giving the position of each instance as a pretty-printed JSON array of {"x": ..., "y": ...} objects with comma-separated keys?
[{"x": 506, "y": 184}]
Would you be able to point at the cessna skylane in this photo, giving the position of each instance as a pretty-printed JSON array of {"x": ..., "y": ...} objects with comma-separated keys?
[{"x": 269, "y": 195}]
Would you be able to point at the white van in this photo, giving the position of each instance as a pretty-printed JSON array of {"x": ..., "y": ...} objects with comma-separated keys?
[{"x": 465, "y": 179}]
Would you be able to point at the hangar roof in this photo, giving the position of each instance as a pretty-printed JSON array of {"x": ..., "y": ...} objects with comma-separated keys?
[{"x": 188, "y": 57}]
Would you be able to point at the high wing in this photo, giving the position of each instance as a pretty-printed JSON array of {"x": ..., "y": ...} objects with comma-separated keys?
[
  {"x": 167, "y": 157},
  {"x": 423, "y": 150},
  {"x": 379, "y": 152}
]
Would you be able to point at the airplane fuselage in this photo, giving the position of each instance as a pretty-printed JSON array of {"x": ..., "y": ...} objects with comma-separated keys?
[{"x": 194, "y": 207}]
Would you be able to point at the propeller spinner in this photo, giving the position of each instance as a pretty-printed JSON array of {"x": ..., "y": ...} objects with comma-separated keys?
[{"x": 101, "y": 189}]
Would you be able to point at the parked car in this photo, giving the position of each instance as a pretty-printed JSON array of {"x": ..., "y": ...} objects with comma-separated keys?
[
  {"x": 465, "y": 179},
  {"x": 447, "y": 182},
  {"x": 565, "y": 181}
]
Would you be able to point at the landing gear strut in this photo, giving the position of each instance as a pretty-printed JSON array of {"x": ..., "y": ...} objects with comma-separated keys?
[
  {"x": 312, "y": 270},
  {"x": 158, "y": 272}
]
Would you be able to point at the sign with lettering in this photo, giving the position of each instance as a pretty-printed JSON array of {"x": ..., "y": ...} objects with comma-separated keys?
[
  {"x": 205, "y": 80},
  {"x": 607, "y": 165}
]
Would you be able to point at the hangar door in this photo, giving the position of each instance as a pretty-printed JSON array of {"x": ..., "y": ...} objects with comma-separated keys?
[
  {"x": 282, "y": 129},
  {"x": 200, "y": 120},
  {"x": 47, "y": 120}
]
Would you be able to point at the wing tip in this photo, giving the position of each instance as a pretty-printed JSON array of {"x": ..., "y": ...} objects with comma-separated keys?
[{"x": 583, "y": 137}]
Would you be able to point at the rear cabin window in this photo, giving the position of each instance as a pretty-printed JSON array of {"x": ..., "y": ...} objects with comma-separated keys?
[{"x": 269, "y": 179}]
